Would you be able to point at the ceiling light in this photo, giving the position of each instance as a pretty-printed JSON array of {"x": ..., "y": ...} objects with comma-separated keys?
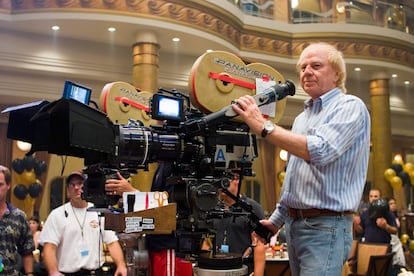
[
  {"x": 56, "y": 28},
  {"x": 176, "y": 39},
  {"x": 394, "y": 75},
  {"x": 111, "y": 29},
  {"x": 24, "y": 146},
  {"x": 407, "y": 82},
  {"x": 209, "y": 51},
  {"x": 340, "y": 7},
  {"x": 398, "y": 158},
  {"x": 357, "y": 69}
]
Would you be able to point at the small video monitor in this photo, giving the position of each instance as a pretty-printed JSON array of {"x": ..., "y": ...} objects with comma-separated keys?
[
  {"x": 77, "y": 92},
  {"x": 167, "y": 108}
]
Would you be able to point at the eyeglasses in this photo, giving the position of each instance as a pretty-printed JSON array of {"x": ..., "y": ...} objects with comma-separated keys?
[{"x": 75, "y": 184}]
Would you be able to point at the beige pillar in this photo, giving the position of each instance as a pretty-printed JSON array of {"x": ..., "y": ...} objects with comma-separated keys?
[
  {"x": 145, "y": 77},
  {"x": 146, "y": 62},
  {"x": 381, "y": 133}
]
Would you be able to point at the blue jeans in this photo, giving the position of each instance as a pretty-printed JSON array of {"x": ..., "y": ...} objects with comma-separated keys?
[{"x": 318, "y": 246}]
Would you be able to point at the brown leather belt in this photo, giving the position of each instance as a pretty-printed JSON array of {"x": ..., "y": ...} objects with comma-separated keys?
[{"x": 311, "y": 213}]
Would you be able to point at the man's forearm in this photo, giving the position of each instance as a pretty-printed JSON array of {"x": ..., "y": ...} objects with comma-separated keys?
[
  {"x": 117, "y": 254},
  {"x": 391, "y": 229},
  {"x": 50, "y": 260},
  {"x": 259, "y": 259},
  {"x": 28, "y": 263}
]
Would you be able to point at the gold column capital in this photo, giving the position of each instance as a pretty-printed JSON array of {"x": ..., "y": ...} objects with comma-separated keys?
[{"x": 379, "y": 87}]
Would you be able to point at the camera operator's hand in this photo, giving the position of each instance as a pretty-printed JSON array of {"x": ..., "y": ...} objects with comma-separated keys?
[
  {"x": 118, "y": 186},
  {"x": 247, "y": 108},
  {"x": 269, "y": 226}
]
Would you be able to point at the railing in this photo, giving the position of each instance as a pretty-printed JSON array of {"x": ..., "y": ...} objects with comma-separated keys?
[{"x": 369, "y": 12}]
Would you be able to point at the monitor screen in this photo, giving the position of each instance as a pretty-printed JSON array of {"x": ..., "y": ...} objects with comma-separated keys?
[
  {"x": 167, "y": 108},
  {"x": 77, "y": 92}
]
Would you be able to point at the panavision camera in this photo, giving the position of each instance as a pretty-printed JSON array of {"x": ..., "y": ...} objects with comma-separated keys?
[{"x": 202, "y": 148}]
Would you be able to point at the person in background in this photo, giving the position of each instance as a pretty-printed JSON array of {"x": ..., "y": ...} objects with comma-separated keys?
[
  {"x": 373, "y": 194},
  {"x": 236, "y": 233},
  {"x": 398, "y": 261},
  {"x": 393, "y": 208},
  {"x": 72, "y": 237},
  {"x": 15, "y": 236},
  {"x": 377, "y": 223},
  {"x": 39, "y": 267},
  {"x": 35, "y": 228},
  {"x": 327, "y": 165}
]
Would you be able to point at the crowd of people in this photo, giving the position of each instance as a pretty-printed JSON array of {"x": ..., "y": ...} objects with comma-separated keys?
[{"x": 326, "y": 171}]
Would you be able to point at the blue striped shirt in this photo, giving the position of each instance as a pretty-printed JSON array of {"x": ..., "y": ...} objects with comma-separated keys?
[{"x": 337, "y": 129}]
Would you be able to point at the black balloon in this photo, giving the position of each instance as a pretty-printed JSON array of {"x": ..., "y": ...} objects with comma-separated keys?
[
  {"x": 17, "y": 166},
  {"x": 40, "y": 168},
  {"x": 35, "y": 189},
  {"x": 405, "y": 177},
  {"x": 397, "y": 168},
  {"x": 28, "y": 163},
  {"x": 20, "y": 191}
]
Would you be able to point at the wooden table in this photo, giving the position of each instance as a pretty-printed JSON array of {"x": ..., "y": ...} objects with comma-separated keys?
[{"x": 277, "y": 266}]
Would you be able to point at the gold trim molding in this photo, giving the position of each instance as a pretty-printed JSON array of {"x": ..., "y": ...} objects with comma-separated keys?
[{"x": 219, "y": 22}]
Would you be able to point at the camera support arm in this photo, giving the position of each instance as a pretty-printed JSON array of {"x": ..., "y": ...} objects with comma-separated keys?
[
  {"x": 254, "y": 220},
  {"x": 270, "y": 95}
]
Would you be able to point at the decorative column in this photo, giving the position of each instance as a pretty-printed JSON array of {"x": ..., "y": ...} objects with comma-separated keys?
[
  {"x": 146, "y": 62},
  {"x": 381, "y": 132},
  {"x": 145, "y": 77}
]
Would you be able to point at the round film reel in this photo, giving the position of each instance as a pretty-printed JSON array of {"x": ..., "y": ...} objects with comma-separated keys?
[
  {"x": 217, "y": 78},
  {"x": 121, "y": 101}
]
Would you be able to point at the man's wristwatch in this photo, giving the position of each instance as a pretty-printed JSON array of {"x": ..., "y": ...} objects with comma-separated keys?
[{"x": 268, "y": 127}]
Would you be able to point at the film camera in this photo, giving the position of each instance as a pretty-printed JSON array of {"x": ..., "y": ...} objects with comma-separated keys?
[{"x": 201, "y": 148}]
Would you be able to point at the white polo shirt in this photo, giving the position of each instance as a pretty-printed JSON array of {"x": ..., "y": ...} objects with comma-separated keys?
[{"x": 78, "y": 235}]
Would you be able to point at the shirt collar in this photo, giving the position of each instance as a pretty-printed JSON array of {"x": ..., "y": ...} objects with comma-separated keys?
[
  {"x": 323, "y": 100},
  {"x": 9, "y": 208}
]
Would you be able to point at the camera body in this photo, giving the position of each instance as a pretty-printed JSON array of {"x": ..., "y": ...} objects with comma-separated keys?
[
  {"x": 200, "y": 161},
  {"x": 201, "y": 148},
  {"x": 94, "y": 188}
]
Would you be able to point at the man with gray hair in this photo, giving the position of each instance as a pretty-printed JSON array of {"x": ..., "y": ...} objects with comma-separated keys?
[{"x": 326, "y": 170}]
